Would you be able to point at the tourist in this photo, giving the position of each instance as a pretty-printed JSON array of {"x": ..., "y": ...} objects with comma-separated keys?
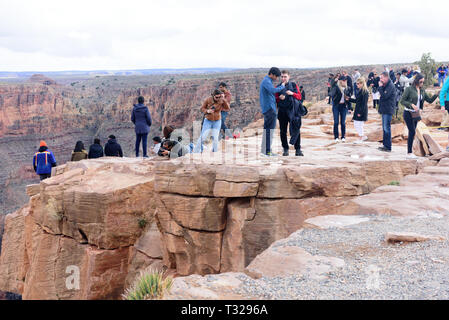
[
  {"x": 286, "y": 100},
  {"x": 95, "y": 150},
  {"x": 340, "y": 91},
  {"x": 361, "y": 107},
  {"x": 374, "y": 84},
  {"x": 413, "y": 101},
  {"x": 142, "y": 120},
  {"x": 405, "y": 81},
  {"x": 212, "y": 108},
  {"x": 174, "y": 149},
  {"x": 112, "y": 148},
  {"x": 166, "y": 132},
  {"x": 356, "y": 77},
  {"x": 444, "y": 101},
  {"x": 399, "y": 91},
  {"x": 268, "y": 107},
  {"x": 442, "y": 72},
  {"x": 303, "y": 94},
  {"x": 223, "y": 87},
  {"x": 156, "y": 144},
  {"x": 348, "y": 79},
  {"x": 329, "y": 81},
  {"x": 392, "y": 75},
  {"x": 387, "y": 103},
  {"x": 43, "y": 161},
  {"x": 79, "y": 153}
]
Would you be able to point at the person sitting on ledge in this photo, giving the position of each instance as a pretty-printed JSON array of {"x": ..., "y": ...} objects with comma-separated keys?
[
  {"x": 112, "y": 148},
  {"x": 173, "y": 149},
  {"x": 79, "y": 153},
  {"x": 43, "y": 161},
  {"x": 95, "y": 150}
]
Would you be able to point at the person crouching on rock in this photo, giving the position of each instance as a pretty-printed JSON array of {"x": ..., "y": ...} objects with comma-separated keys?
[
  {"x": 173, "y": 149},
  {"x": 212, "y": 108},
  {"x": 361, "y": 107},
  {"x": 413, "y": 100},
  {"x": 43, "y": 161},
  {"x": 79, "y": 153},
  {"x": 112, "y": 148}
]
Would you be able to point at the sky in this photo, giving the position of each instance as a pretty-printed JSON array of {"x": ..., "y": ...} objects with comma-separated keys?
[{"x": 49, "y": 35}]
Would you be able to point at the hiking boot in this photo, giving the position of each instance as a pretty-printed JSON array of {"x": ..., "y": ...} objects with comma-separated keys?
[
  {"x": 299, "y": 153},
  {"x": 285, "y": 153},
  {"x": 384, "y": 149}
]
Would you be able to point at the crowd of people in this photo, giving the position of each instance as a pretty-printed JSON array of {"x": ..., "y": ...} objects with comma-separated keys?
[{"x": 283, "y": 102}]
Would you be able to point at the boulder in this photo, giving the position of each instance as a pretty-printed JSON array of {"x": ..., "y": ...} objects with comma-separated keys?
[{"x": 393, "y": 237}]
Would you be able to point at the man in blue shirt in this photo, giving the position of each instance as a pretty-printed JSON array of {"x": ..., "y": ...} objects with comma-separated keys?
[
  {"x": 43, "y": 161},
  {"x": 268, "y": 107}
]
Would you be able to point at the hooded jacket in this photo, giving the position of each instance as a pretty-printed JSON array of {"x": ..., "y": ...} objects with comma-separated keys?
[
  {"x": 95, "y": 151},
  {"x": 141, "y": 118},
  {"x": 43, "y": 161},
  {"x": 444, "y": 94},
  {"x": 113, "y": 149}
]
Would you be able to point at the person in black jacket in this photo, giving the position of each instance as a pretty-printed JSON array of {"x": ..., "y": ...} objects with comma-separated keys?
[
  {"x": 361, "y": 107},
  {"x": 387, "y": 105},
  {"x": 112, "y": 148},
  {"x": 95, "y": 150},
  {"x": 339, "y": 91},
  {"x": 286, "y": 100}
]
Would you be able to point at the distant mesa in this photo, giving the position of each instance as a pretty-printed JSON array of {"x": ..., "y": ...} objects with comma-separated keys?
[{"x": 40, "y": 78}]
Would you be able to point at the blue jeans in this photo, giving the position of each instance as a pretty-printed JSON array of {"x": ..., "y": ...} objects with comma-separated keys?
[
  {"x": 269, "y": 124},
  {"x": 386, "y": 127},
  {"x": 440, "y": 81},
  {"x": 143, "y": 137},
  {"x": 209, "y": 128},
  {"x": 339, "y": 111}
]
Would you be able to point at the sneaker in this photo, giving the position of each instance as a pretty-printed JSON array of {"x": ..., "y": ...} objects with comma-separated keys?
[
  {"x": 337, "y": 140},
  {"x": 364, "y": 138},
  {"x": 271, "y": 154},
  {"x": 411, "y": 156},
  {"x": 285, "y": 153},
  {"x": 384, "y": 149},
  {"x": 343, "y": 140},
  {"x": 299, "y": 153}
]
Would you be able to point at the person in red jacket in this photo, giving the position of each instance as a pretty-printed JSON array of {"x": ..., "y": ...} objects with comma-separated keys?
[{"x": 285, "y": 102}]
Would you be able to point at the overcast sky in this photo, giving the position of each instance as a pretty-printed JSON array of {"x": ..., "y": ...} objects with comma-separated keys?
[{"x": 49, "y": 35}]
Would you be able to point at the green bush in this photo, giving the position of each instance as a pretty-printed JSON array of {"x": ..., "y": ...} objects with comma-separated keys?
[
  {"x": 142, "y": 223},
  {"x": 428, "y": 68},
  {"x": 394, "y": 183},
  {"x": 149, "y": 285}
]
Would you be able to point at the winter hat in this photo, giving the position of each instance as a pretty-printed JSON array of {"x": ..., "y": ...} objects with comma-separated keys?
[{"x": 42, "y": 144}]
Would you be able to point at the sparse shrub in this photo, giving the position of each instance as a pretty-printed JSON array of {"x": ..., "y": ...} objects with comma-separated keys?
[
  {"x": 142, "y": 223},
  {"x": 428, "y": 68},
  {"x": 394, "y": 183},
  {"x": 149, "y": 285}
]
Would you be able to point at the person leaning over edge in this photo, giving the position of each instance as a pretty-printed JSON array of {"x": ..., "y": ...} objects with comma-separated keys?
[
  {"x": 95, "y": 150},
  {"x": 444, "y": 101},
  {"x": 112, "y": 148},
  {"x": 268, "y": 107},
  {"x": 43, "y": 161},
  {"x": 212, "y": 108},
  {"x": 413, "y": 101},
  {"x": 285, "y": 104},
  {"x": 142, "y": 120},
  {"x": 387, "y": 104}
]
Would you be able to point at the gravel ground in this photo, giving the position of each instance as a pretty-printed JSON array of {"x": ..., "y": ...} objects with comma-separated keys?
[{"x": 373, "y": 269}]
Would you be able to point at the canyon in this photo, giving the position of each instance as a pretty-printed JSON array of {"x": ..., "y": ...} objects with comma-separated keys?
[{"x": 207, "y": 214}]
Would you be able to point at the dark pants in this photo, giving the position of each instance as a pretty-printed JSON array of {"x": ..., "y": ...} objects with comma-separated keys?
[
  {"x": 224, "y": 128},
  {"x": 339, "y": 111},
  {"x": 386, "y": 127},
  {"x": 411, "y": 126},
  {"x": 45, "y": 176},
  {"x": 269, "y": 124},
  {"x": 143, "y": 137},
  {"x": 284, "y": 122}
]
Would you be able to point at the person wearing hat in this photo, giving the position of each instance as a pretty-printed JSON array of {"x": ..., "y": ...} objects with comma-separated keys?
[
  {"x": 43, "y": 161},
  {"x": 339, "y": 92},
  {"x": 112, "y": 148}
]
